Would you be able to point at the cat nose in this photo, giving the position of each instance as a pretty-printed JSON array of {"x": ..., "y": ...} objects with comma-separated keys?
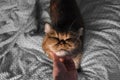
[{"x": 62, "y": 42}]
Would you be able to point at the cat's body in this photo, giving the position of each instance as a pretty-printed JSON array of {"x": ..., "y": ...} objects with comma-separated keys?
[{"x": 62, "y": 35}]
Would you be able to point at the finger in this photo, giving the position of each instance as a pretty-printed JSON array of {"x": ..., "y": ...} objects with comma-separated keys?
[
  {"x": 57, "y": 64},
  {"x": 54, "y": 56},
  {"x": 58, "y": 68},
  {"x": 69, "y": 64}
]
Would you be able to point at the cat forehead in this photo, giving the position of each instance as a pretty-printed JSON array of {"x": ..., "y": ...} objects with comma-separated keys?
[{"x": 55, "y": 33}]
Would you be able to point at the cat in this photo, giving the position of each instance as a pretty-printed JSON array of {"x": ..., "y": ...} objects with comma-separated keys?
[{"x": 63, "y": 34}]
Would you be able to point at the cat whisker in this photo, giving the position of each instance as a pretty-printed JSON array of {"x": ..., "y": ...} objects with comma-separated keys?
[{"x": 72, "y": 24}]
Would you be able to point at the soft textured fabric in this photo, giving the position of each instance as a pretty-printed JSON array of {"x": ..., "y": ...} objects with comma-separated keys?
[
  {"x": 101, "y": 59},
  {"x": 21, "y": 55}
]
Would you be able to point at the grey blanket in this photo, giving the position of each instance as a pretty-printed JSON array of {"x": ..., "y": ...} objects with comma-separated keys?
[{"x": 21, "y": 55}]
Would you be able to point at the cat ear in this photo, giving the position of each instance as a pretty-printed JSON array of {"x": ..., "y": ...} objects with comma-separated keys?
[
  {"x": 47, "y": 28},
  {"x": 80, "y": 31}
]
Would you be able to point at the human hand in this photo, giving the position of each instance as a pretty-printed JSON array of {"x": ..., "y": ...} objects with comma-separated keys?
[{"x": 63, "y": 68}]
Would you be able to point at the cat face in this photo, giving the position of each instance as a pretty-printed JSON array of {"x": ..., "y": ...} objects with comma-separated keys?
[{"x": 62, "y": 44}]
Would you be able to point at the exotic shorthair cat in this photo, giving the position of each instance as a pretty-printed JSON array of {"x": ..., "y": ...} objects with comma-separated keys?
[{"x": 63, "y": 34}]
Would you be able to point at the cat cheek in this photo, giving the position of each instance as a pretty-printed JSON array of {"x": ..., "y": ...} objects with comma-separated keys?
[{"x": 52, "y": 48}]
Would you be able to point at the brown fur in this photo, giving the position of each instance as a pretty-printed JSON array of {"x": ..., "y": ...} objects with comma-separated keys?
[
  {"x": 70, "y": 41},
  {"x": 62, "y": 35}
]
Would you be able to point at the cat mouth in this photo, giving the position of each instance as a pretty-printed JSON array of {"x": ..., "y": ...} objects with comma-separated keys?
[{"x": 62, "y": 53}]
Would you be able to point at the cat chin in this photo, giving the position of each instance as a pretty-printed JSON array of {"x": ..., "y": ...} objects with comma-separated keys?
[{"x": 62, "y": 53}]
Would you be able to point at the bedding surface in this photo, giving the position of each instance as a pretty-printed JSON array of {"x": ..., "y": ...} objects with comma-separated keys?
[{"x": 21, "y": 54}]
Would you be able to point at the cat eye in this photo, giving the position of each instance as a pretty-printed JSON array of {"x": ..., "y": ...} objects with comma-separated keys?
[
  {"x": 54, "y": 38},
  {"x": 69, "y": 39}
]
